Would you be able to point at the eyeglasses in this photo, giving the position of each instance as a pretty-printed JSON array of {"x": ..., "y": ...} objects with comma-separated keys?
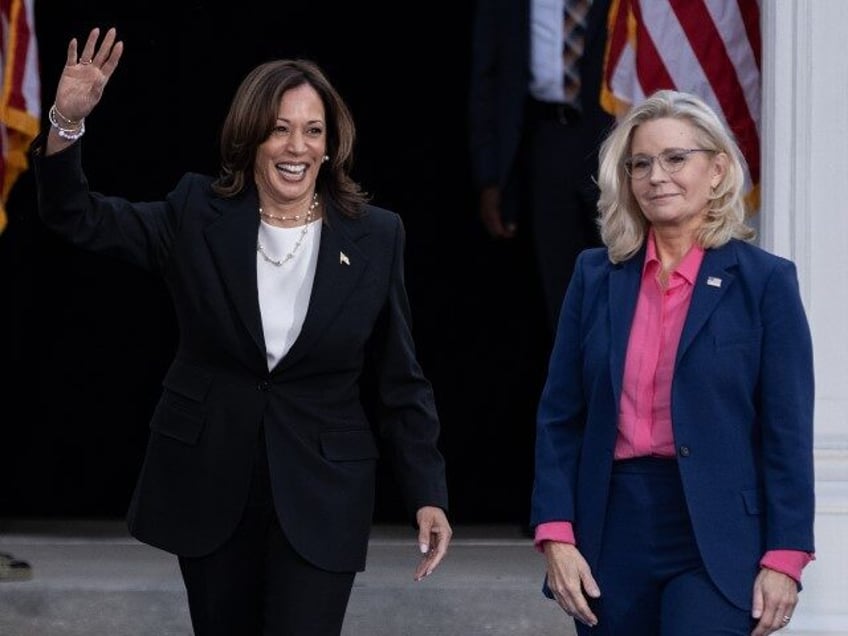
[{"x": 671, "y": 160}]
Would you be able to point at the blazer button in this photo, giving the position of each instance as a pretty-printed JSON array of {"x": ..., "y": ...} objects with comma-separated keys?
[
  {"x": 684, "y": 451},
  {"x": 264, "y": 385}
]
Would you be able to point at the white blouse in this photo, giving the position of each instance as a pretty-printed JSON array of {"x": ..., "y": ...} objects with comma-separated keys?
[{"x": 284, "y": 290}]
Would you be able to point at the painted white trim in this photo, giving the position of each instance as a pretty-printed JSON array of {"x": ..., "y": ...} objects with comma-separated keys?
[
  {"x": 786, "y": 141},
  {"x": 803, "y": 217}
]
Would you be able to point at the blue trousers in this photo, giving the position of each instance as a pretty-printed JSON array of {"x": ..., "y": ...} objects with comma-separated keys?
[{"x": 652, "y": 579}]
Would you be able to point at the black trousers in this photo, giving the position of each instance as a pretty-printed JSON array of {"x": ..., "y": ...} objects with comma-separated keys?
[
  {"x": 561, "y": 154},
  {"x": 257, "y": 585}
]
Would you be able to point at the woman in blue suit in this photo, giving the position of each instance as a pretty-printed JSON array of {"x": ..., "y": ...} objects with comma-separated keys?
[
  {"x": 288, "y": 289},
  {"x": 673, "y": 485}
]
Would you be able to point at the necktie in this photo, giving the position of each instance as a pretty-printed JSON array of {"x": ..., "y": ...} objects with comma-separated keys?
[{"x": 574, "y": 29}]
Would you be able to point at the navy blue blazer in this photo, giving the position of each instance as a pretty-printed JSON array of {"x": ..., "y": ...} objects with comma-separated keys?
[
  {"x": 741, "y": 403},
  {"x": 218, "y": 392}
]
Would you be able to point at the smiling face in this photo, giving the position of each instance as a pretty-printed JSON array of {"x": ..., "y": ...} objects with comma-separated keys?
[
  {"x": 288, "y": 161},
  {"x": 674, "y": 201}
]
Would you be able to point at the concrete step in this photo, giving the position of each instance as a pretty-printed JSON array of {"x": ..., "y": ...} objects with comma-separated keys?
[{"x": 90, "y": 578}]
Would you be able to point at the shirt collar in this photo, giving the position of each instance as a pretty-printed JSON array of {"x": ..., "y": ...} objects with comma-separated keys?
[{"x": 687, "y": 268}]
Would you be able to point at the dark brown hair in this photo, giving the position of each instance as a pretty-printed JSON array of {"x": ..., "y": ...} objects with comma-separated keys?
[{"x": 253, "y": 115}]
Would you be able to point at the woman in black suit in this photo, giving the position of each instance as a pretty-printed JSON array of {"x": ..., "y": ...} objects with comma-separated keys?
[{"x": 289, "y": 294}]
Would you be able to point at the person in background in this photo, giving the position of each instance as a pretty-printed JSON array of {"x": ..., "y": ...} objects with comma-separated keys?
[
  {"x": 535, "y": 125},
  {"x": 288, "y": 288},
  {"x": 674, "y": 487}
]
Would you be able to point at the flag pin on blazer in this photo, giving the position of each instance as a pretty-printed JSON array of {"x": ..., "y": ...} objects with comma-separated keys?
[
  {"x": 713, "y": 281},
  {"x": 343, "y": 259}
]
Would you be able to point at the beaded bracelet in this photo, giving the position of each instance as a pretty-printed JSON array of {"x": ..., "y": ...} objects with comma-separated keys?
[{"x": 71, "y": 134}]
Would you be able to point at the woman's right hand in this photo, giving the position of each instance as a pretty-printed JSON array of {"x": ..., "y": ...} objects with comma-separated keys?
[
  {"x": 85, "y": 75},
  {"x": 570, "y": 580}
]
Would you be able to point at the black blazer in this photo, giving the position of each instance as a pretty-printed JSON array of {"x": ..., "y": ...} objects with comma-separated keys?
[{"x": 218, "y": 392}]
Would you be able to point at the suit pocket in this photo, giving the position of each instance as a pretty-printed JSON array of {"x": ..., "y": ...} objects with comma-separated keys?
[
  {"x": 349, "y": 445},
  {"x": 181, "y": 412},
  {"x": 188, "y": 380}
]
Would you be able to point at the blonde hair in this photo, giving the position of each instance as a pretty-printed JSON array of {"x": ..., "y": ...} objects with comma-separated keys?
[{"x": 623, "y": 227}]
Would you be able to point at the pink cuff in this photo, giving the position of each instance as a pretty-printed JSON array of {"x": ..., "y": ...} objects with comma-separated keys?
[
  {"x": 788, "y": 562},
  {"x": 561, "y": 531}
]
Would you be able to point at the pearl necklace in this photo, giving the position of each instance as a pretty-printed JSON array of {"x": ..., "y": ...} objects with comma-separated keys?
[
  {"x": 296, "y": 217},
  {"x": 279, "y": 263}
]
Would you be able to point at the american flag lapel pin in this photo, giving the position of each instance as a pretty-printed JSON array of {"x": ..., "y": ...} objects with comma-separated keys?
[
  {"x": 343, "y": 259},
  {"x": 713, "y": 281}
]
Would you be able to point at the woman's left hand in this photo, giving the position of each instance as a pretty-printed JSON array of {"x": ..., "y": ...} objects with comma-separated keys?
[
  {"x": 775, "y": 598},
  {"x": 434, "y": 535}
]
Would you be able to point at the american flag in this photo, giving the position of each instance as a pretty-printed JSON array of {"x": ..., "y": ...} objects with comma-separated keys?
[
  {"x": 20, "y": 103},
  {"x": 711, "y": 48}
]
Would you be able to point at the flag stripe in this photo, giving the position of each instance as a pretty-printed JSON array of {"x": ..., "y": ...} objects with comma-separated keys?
[
  {"x": 650, "y": 67},
  {"x": 20, "y": 101},
  {"x": 740, "y": 47},
  {"x": 711, "y": 48},
  {"x": 615, "y": 50},
  {"x": 749, "y": 10},
  {"x": 25, "y": 81},
  {"x": 708, "y": 46}
]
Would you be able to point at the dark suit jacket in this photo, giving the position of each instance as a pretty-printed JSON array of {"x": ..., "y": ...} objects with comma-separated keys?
[
  {"x": 742, "y": 408},
  {"x": 218, "y": 391},
  {"x": 498, "y": 92}
]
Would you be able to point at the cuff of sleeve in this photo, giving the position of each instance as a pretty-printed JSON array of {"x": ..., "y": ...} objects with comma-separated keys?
[
  {"x": 788, "y": 562},
  {"x": 561, "y": 531}
]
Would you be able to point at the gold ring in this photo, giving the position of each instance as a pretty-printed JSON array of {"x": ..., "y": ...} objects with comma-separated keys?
[{"x": 84, "y": 62}]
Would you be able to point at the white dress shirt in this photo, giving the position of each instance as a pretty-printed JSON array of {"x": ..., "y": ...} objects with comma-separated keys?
[{"x": 546, "y": 42}]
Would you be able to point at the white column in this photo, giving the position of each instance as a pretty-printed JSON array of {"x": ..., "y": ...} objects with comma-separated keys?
[{"x": 805, "y": 217}]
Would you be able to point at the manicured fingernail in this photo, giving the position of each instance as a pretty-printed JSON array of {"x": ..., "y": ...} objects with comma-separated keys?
[{"x": 424, "y": 548}]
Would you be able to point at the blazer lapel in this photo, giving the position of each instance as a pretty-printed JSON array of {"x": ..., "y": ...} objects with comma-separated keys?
[
  {"x": 340, "y": 265},
  {"x": 232, "y": 242},
  {"x": 712, "y": 283},
  {"x": 624, "y": 282}
]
